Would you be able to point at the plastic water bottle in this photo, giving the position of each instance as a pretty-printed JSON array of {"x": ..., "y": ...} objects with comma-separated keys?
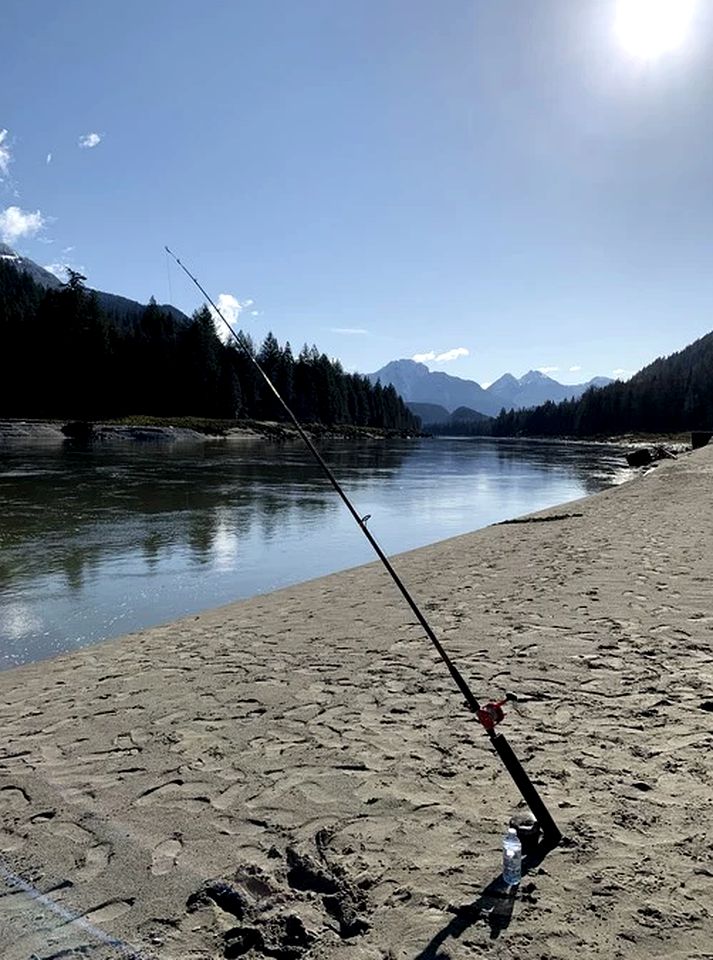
[{"x": 512, "y": 858}]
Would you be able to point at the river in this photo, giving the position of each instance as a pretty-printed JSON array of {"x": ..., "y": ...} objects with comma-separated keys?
[{"x": 98, "y": 542}]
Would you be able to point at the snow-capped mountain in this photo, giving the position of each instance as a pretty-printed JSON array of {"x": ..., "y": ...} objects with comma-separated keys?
[
  {"x": 417, "y": 384},
  {"x": 121, "y": 307}
]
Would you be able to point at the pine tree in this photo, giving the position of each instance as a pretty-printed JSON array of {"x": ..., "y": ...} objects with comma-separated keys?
[{"x": 62, "y": 356}]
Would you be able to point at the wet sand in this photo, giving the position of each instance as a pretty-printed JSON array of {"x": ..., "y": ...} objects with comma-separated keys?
[{"x": 295, "y": 776}]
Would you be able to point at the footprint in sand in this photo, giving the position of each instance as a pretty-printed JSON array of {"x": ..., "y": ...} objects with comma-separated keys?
[
  {"x": 72, "y": 831},
  {"x": 43, "y": 817},
  {"x": 165, "y": 856},
  {"x": 94, "y": 862},
  {"x": 10, "y": 841},
  {"x": 228, "y": 797},
  {"x": 13, "y": 798},
  {"x": 106, "y": 912}
]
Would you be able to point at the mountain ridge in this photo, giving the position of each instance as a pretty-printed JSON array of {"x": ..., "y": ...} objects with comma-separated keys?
[
  {"x": 121, "y": 307},
  {"x": 672, "y": 394},
  {"x": 416, "y": 383}
]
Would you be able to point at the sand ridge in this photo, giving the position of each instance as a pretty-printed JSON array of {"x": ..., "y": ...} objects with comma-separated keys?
[{"x": 295, "y": 776}]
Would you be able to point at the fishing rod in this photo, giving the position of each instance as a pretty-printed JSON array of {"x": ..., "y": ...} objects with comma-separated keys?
[{"x": 489, "y": 714}]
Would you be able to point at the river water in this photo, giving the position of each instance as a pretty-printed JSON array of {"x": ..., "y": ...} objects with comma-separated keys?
[{"x": 97, "y": 542}]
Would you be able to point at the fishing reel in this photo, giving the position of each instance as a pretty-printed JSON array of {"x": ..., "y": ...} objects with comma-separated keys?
[{"x": 491, "y": 713}]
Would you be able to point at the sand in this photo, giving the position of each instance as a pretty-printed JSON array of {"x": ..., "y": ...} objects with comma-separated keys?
[{"x": 295, "y": 776}]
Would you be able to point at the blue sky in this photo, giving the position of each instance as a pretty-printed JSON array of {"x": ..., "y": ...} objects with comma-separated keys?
[{"x": 387, "y": 178}]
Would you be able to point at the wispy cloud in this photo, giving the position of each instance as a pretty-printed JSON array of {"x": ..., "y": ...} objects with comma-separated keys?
[
  {"x": 5, "y": 156},
  {"x": 575, "y": 369},
  {"x": 15, "y": 224},
  {"x": 444, "y": 357},
  {"x": 453, "y": 354},
  {"x": 547, "y": 370},
  {"x": 89, "y": 140},
  {"x": 350, "y": 331},
  {"x": 231, "y": 308},
  {"x": 621, "y": 374},
  {"x": 49, "y": 158},
  {"x": 58, "y": 269}
]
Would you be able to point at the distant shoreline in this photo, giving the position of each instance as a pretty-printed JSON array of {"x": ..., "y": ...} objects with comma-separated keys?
[
  {"x": 179, "y": 430},
  {"x": 202, "y": 430}
]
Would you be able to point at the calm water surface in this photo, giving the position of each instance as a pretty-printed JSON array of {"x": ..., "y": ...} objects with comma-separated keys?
[{"x": 95, "y": 543}]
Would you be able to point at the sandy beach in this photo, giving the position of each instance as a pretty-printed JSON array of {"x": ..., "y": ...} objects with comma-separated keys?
[{"x": 295, "y": 776}]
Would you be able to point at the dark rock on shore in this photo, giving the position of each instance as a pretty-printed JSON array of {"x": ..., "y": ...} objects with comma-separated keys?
[{"x": 644, "y": 456}]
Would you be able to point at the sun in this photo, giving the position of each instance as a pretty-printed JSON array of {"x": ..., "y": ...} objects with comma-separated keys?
[{"x": 649, "y": 28}]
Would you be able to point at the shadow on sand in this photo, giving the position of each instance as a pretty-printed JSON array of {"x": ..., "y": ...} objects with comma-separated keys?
[{"x": 493, "y": 906}]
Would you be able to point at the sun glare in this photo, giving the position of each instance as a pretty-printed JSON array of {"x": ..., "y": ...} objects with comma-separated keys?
[{"x": 649, "y": 28}]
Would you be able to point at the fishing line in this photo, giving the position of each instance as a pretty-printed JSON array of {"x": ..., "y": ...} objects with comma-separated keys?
[
  {"x": 68, "y": 917},
  {"x": 168, "y": 277},
  {"x": 360, "y": 520},
  {"x": 490, "y": 714}
]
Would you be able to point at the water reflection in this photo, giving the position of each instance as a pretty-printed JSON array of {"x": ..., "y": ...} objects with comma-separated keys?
[{"x": 94, "y": 543}]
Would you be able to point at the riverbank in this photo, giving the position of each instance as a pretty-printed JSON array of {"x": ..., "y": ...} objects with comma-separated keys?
[
  {"x": 295, "y": 776},
  {"x": 178, "y": 430},
  {"x": 200, "y": 430}
]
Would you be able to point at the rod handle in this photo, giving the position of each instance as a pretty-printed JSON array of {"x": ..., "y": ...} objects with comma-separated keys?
[{"x": 550, "y": 831}]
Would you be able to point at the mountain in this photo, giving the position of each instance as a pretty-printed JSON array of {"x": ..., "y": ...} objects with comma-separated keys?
[
  {"x": 671, "y": 395},
  {"x": 417, "y": 384},
  {"x": 429, "y": 413},
  {"x": 504, "y": 387},
  {"x": 535, "y": 388},
  {"x": 120, "y": 308},
  {"x": 466, "y": 415},
  {"x": 462, "y": 419},
  {"x": 41, "y": 276}
]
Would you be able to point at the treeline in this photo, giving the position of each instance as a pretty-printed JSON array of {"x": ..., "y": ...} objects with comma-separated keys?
[
  {"x": 462, "y": 428},
  {"x": 671, "y": 395},
  {"x": 63, "y": 357}
]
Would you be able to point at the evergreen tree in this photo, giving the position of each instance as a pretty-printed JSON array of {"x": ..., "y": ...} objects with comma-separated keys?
[{"x": 62, "y": 356}]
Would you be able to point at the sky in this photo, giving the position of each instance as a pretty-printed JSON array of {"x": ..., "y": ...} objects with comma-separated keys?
[{"x": 488, "y": 186}]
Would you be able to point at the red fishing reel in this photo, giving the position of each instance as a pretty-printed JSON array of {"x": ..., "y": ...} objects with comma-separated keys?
[{"x": 492, "y": 713}]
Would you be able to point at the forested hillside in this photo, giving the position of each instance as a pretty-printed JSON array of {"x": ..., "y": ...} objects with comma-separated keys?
[
  {"x": 671, "y": 395},
  {"x": 63, "y": 357}
]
